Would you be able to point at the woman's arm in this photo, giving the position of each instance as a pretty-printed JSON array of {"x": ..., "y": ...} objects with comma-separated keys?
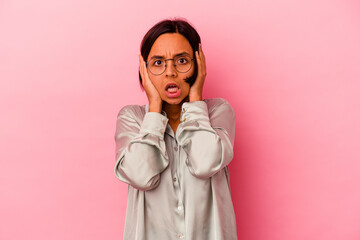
[
  {"x": 140, "y": 150},
  {"x": 207, "y": 137}
]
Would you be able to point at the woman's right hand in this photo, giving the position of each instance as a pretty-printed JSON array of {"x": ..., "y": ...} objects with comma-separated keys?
[{"x": 155, "y": 101}]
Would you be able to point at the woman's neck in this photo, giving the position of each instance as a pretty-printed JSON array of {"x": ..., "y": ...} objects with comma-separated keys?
[{"x": 173, "y": 111}]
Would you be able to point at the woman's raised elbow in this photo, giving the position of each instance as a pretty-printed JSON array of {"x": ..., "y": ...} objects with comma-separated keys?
[
  {"x": 205, "y": 166},
  {"x": 138, "y": 181},
  {"x": 146, "y": 185}
]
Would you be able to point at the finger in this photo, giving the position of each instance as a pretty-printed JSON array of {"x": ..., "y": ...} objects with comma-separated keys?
[
  {"x": 202, "y": 56},
  {"x": 146, "y": 73},
  {"x": 199, "y": 56},
  {"x": 143, "y": 67},
  {"x": 198, "y": 59},
  {"x": 201, "y": 68},
  {"x": 140, "y": 66},
  {"x": 201, "y": 64},
  {"x": 142, "y": 70},
  {"x": 201, "y": 52}
]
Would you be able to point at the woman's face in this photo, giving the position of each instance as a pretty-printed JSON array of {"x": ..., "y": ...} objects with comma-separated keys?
[{"x": 168, "y": 45}]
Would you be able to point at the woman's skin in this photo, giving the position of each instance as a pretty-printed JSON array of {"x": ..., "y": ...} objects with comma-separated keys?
[{"x": 168, "y": 45}]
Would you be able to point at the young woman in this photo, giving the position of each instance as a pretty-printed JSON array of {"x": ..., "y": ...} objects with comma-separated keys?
[{"x": 174, "y": 151}]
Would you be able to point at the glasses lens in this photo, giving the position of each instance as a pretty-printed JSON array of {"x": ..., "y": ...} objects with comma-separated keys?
[
  {"x": 156, "y": 65},
  {"x": 183, "y": 63}
]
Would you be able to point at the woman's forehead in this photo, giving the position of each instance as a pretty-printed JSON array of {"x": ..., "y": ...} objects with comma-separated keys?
[{"x": 170, "y": 44}]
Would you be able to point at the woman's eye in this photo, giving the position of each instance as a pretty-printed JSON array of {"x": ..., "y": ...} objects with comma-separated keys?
[
  {"x": 182, "y": 60},
  {"x": 157, "y": 62}
]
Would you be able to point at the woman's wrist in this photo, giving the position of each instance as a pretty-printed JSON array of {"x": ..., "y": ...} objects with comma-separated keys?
[
  {"x": 155, "y": 107},
  {"x": 196, "y": 97}
]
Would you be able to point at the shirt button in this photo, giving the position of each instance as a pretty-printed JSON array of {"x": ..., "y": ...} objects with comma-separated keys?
[
  {"x": 175, "y": 148},
  {"x": 184, "y": 120},
  {"x": 183, "y": 109},
  {"x": 174, "y": 179},
  {"x": 181, "y": 236},
  {"x": 180, "y": 208}
]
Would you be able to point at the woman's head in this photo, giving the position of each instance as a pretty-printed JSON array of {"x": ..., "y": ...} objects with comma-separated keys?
[{"x": 167, "y": 39}]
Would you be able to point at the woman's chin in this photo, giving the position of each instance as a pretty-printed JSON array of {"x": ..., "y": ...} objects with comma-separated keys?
[
  {"x": 172, "y": 101},
  {"x": 176, "y": 101}
]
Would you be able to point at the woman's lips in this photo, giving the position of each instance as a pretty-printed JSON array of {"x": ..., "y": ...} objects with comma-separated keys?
[{"x": 173, "y": 92}]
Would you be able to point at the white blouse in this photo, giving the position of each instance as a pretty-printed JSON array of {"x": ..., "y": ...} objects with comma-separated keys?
[{"x": 178, "y": 183}]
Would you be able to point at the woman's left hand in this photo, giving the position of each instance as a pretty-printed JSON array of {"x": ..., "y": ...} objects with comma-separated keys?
[{"x": 196, "y": 89}]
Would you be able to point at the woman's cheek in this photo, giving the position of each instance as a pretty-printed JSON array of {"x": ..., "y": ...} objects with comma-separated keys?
[{"x": 156, "y": 82}]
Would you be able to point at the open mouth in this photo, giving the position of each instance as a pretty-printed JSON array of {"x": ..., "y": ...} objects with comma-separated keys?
[{"x": 172, "y": 88}]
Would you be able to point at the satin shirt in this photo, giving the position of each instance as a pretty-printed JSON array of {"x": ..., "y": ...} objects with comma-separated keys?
[{"x": 178, "y": 184}]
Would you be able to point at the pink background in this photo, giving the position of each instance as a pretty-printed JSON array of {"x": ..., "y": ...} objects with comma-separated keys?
[{"x": 290, "y": 69}]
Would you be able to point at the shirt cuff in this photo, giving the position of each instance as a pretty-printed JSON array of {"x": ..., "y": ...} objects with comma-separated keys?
[
  {"x": 196, "y": 110},
  {"x": 154, "y": 123}
]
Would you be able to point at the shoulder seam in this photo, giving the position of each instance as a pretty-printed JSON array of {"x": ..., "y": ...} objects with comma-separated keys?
[
  {"x": 223, "y": 101},
  {"x": 127, "y": 109}
]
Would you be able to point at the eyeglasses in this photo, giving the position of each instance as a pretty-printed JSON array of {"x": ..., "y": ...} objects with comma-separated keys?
[{"x": 182, "y": 64}]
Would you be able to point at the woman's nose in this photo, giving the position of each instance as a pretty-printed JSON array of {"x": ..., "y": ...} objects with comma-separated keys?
[{"x": 170, "y": 69}]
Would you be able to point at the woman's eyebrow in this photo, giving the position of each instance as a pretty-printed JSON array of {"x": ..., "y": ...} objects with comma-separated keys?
[{"x": 178, "y": 54}]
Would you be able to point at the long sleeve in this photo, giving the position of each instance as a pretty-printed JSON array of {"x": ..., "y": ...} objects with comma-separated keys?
[
  {"x": 140, "y": 149},
  {"x": 207, "y": 136}
]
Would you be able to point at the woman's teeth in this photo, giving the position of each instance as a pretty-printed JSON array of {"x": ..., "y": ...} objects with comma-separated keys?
[{"x": 172, "y": 89}]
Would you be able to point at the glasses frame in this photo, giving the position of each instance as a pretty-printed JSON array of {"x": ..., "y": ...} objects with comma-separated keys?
[{"x": 192, "y": 59}]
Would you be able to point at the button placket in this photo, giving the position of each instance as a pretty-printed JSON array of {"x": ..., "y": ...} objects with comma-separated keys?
[
  {"x": 178, "y": 208},
  {"x": 182, "y": 118}
]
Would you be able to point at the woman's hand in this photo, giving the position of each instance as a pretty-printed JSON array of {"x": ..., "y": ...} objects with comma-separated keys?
[
  {"x": 196, "y": 89},
  {"x": 155, "y": 101}
]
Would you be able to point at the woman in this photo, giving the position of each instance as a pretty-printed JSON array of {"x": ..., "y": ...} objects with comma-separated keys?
[{"x": 174, "y": 151}]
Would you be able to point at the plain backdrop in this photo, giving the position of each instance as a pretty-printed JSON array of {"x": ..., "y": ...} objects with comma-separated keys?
[{"x": 290, "y": 69}]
